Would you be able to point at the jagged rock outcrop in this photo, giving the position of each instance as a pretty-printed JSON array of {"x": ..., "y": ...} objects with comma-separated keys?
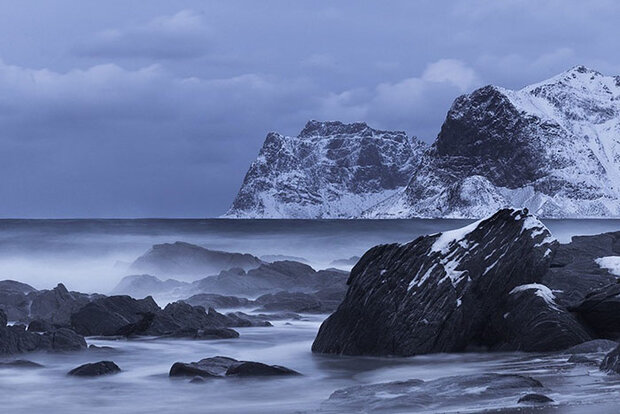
[
  {"x": 16, "y": 339},
  {"x": 182, "y": 258},
  {"x": 479, "y": 286},
  {"x": 552, "y": 147},
  {"x": 329, "y": 170}
]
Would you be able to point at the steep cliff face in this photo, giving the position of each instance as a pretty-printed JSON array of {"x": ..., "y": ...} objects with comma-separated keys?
[
  {"x": 553, "y": 147},
  {"x": 329, "y": 170}
]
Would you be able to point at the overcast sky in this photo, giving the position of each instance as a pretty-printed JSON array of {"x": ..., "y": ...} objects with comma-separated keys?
[{"x": 156, "y": 108}]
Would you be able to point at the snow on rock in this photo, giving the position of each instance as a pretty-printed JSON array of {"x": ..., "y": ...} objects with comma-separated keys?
[
  {"x": 330, "y": 170},
  {"x": 541, "y": 291},
  {"x": 611, "y": 263},
  {"x": 552, "y": 147},
  {"x": 445, "y": 292}
]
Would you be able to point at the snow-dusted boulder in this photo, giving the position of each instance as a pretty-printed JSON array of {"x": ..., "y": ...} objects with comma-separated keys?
[{"x": 479, "y": 286}]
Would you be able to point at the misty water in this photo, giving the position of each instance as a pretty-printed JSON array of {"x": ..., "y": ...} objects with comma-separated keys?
[{"x": 92, "y": 256}]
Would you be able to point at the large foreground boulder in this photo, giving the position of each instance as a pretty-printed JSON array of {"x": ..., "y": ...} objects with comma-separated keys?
[
  {"x": 479, "y": 286},
  {"x": 219, "y": 366}
]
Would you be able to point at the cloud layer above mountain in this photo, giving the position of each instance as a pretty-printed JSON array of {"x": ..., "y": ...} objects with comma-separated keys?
[{"x": 131, "y": 108}]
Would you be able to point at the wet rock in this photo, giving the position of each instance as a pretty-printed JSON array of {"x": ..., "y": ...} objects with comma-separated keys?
[
  {"x": 611, "y": 362},
  {"x": 476, "y": 286},
  {"x": 20, "y": 363},
  {"x": 3, "y": 319},
  {"x": 181, "y": 258},
  {"x": 14, "y": 299},
  {"x": 106, "y": 316},
  {"x": 443, "y": 394},
  {"x": 279, "y": 316},
  {"x": 197, "y": 380},
  {"x": 257, "y": 369},
  {"x": 582, "y": 359},
  {"x": 594, "y": 346},
  {"x": 204, "y": 334},
  {"x": 218, "y": 367},
  {"x": 535, "y": 398},
  {"x": 600, "y": 310},
  {"x": 95, "y": 369},
  {"x": 55, "y": 306}
]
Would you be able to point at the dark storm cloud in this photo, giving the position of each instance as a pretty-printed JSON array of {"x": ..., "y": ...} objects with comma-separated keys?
[{"x": 131, "y": 108}]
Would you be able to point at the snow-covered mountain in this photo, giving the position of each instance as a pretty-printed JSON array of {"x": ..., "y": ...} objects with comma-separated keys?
[
  {"x": 329, "y": 170},
  {"x": 553, "y": 147}
]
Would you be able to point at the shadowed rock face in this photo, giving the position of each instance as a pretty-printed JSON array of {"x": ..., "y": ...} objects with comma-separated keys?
[
  {"x": 15, "y": 339},
  {"x": 600, "y": 310},
  {"x": 476, "y": 286},
  {"x": 95, "y": 369},
  {"x": 188, "y": 259}
]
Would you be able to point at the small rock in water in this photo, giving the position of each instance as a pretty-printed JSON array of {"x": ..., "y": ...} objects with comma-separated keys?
[
  {"x": 95, "y": 369},
  {"x": 535, "y": 398},
  {"x": 101, "y": 348},
  {"x": 596, "y": 345},
  {"x": 220, "y": 366}
]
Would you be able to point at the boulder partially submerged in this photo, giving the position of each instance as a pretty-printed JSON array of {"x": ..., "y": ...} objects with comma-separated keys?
[
  {"x": 95, "y": 369},
  {"x": 219, "y": 366},
  {"x": 479, "y": 286}
]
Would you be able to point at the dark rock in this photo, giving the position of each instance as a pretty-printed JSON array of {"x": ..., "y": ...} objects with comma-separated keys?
[
  {"x": 270, "y": 278},
  {"x": 208, "y": 367},
  {"x": 477, "y": 286},
  {"x": 20, "y": 363},
  {"x": 64, "y": 339},
  {"x": 573, "y": 271},
  {"x": 600, "y": 310},
  {"x": 594, "y": 346},
  {"x": 257, "y": 369},
  {"x": 204, "y": 334},
  {"x": 181, "y": 258},
  {"x": 13, "y": 299},
  {"x": 40, "y": 326},
  {"x": 289, "y": 301},
  {"x": 611, "y": 362},
  {"x": 95, "y": 369},
  {"x": 212, "y": 300},
  {"x": 223, "y": 366},
  {"x": 106, "y": 316},
  {"x": 3, "y": 319},
  {"x": 535, "y": 398},
  {"x": 279, "y": 316},
  {"x": 55, "y": 306},
  {"x": 439, "y": 395}
]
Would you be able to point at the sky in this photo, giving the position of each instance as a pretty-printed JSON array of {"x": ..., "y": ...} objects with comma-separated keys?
[{"x": 132, "y": 108}]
